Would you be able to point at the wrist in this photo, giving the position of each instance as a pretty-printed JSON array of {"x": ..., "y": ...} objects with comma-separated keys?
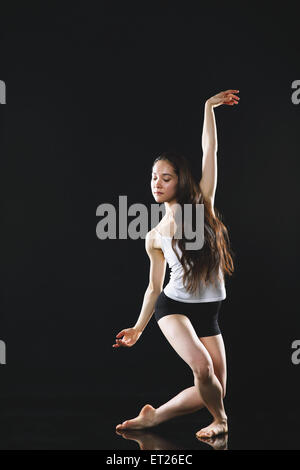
[{"x": 138, "y": 328}]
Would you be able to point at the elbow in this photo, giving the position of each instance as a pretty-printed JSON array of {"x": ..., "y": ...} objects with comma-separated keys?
[{"x": 154, "y": 290}]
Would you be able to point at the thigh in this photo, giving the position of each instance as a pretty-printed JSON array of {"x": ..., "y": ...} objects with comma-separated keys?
[
  {"x": 216, "y": 349},
  {"x": 181, "y": 334}
]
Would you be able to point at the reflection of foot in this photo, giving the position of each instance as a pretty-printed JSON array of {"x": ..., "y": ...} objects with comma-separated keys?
[
  {"x": 145, "y": 419},
  {"x": 214, "y": 429},
  {"x": 148, "y": 440},
  {"x": 219, "y": 442}
]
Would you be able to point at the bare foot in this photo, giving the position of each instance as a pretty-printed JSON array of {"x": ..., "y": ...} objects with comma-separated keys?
[
  {"x": 219, "y": 442},
  {"x": 214, "y": 429},
  {"x": 145, "y": 419}
]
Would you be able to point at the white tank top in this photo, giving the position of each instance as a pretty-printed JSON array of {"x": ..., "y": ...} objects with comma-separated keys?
[{"x": 175, "y": 288}]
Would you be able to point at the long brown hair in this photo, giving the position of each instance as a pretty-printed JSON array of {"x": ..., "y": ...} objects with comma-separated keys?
[{"x": 203, "y": 265}]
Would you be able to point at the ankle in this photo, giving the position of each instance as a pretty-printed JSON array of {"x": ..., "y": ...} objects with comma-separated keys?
[{"x": 223, "y": 419}]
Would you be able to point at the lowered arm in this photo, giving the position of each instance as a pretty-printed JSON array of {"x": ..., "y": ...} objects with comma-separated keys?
[{"x": 156, "y": 280}]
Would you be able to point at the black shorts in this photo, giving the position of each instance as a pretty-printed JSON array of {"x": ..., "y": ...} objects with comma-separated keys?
[{"x": 203, "y": 315}]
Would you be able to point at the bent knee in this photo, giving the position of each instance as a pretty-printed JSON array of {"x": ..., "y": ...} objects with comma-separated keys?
[{"x": 204, "y": 372}]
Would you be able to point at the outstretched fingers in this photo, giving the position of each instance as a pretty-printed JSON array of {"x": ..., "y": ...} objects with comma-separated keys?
[{"x": 119, "y": 342}]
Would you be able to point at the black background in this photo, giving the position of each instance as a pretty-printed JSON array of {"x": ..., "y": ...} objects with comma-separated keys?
[{"x": 94, "y": 93}]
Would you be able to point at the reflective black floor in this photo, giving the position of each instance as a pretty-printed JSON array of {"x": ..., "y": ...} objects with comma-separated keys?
[{"x": 89, "y": 423}]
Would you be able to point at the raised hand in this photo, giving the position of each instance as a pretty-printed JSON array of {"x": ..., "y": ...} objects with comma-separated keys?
[
  {"x": 129, "y": 337},
  {"x": 224, "y": 97}
]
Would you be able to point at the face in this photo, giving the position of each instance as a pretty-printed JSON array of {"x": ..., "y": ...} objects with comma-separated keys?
[{"x": 164, "y": 182}]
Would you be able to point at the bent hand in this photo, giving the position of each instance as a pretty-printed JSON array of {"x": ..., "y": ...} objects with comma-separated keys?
[
  {"x": 224, "y": 97},
  {"x": 130, "y": 337}
]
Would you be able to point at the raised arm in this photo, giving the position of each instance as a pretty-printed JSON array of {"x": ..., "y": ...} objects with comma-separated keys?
[{"x": 208, "y": 182}]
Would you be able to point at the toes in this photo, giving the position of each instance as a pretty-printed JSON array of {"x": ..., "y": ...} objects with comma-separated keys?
[
  {"x": 121, "y": 425},
  {"x": 208, "y": 434},
  {"x": 203, "y": 433}
]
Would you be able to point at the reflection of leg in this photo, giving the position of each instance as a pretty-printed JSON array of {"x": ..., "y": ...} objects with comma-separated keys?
[
  {"x": 189, "y": 401},
  {"x": 148, "y": 440}
]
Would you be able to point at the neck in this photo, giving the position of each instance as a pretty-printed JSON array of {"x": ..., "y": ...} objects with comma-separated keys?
[{"x": 170, "y": 208}]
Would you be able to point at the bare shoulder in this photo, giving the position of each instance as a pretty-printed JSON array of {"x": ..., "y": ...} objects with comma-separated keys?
[{"x": 152, "y": 240}]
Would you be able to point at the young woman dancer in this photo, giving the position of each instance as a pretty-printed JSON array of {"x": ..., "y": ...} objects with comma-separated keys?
[{"x": 187, "y": 309}]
